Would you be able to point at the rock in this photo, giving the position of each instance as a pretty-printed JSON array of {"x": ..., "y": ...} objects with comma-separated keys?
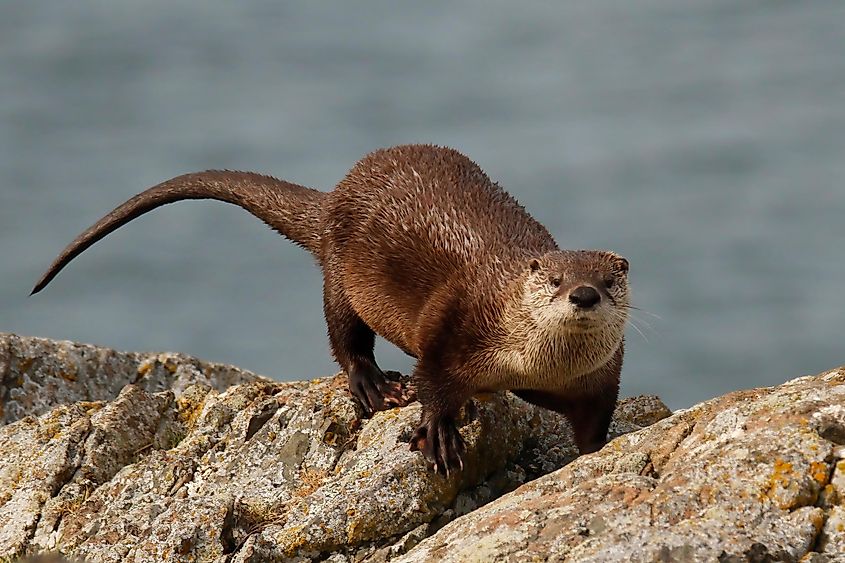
[
  {"x": 172, "y": 464},
  {"x": 37, "y": 374},
  {"x": 751, "y": 476},
  {"x": 142, "y": 457}
]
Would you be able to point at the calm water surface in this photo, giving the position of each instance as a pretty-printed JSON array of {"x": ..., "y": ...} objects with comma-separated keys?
[{"x": 703, "y": 140}]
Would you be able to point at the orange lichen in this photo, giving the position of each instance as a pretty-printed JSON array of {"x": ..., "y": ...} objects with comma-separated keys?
[
  {"x": 781, "y": 478},
  {"x": 68, "y": 375},
  {"x": 819, "y": 471},
  {"x": 817, "y": 519},
  {"x": 782, "y": 473},
  {"x": 310, "y": 480},
  {"x": 189, "y": 410},
  {"x": 25, "y": 364},
  {"x": 706, "y": 494},
  {"x": 290, "y": 540},
  {"x": 91, "y": 407}
]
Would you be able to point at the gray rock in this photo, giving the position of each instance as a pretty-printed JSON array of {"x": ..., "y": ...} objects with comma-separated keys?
[
  {"x": 37, "y": 374},
  {"x": 752, "y": 476},
  {"x": 164, "y": 458}
]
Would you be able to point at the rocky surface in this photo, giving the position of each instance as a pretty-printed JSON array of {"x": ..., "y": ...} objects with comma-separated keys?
[
  {"x": 752, "y": 476},
  {"x": 172, "y": 464},
  {"x": 139, "y": 457},
  {"x": 36, "y": 374}
]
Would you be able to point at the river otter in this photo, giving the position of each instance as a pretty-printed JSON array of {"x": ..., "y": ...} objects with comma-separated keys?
[{"x": 416, "y": 244}]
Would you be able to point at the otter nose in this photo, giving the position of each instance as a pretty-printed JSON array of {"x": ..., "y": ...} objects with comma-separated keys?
[{"x": 584, "y": 297}]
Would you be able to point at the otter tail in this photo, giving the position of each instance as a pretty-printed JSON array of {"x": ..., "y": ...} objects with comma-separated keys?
[{"x": 290, "y": 209}]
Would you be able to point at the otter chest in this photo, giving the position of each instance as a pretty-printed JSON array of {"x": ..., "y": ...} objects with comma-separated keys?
[{"x": 560, "y": 368}]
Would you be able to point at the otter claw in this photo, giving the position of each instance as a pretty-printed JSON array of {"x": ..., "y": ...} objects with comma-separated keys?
[
  {"x": 375, "y": 392},
  {"x": 441, "y": 445}
]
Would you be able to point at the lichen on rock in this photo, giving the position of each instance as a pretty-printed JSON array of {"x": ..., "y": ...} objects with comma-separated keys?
[
  {"x": 148, "y": 457},
  {"x": 751, "y": 476},
  {"x": 36, "y": 374}
]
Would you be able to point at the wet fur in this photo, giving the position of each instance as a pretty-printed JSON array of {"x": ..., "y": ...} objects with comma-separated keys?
[{"x": 417, "y": 245}]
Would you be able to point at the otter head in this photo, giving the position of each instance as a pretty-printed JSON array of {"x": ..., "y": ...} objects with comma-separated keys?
[
  {"x": 578, "y": 298},
  {"x": 578, "y": 291}
]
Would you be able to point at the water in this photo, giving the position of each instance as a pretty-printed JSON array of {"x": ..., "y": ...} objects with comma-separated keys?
[{"x": 705, "y": 141}]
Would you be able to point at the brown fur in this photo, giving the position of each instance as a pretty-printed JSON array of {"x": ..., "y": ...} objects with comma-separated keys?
[{"x": 417, "y": 245}]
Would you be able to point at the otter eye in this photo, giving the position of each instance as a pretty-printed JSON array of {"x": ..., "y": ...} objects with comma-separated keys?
[
  {"x": 609, "y": 281},
  {"x": 555, "y": 282}
]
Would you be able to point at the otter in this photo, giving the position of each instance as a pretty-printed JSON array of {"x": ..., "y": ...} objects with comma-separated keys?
[{"x": 417, "y": 244}]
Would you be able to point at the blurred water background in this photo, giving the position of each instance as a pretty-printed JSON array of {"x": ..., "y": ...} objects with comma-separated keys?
[{"x": 705, "y": 141}]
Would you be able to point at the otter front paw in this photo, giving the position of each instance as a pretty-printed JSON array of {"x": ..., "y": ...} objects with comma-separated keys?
[
  {"x": 440, "y": 443},
  {"x": 375, "y": 392}
]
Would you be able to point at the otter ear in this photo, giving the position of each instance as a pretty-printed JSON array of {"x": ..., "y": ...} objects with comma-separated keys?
[
  {"x": 622, "y": 264},
  {"x": 534, "y": 265}
]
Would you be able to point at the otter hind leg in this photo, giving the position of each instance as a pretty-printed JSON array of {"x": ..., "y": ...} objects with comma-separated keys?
[
  {"x": 589, "y": 415},
  {"x": 352, "y": 343}
]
